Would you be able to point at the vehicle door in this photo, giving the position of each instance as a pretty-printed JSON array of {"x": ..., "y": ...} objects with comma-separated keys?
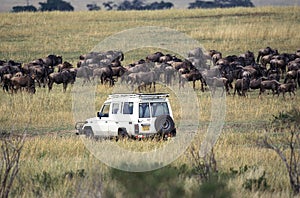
[
  {"x": 101, "y": 128},
  {"x": 157, "y": 109},
  {"x": 145, "y": 118},
  {"x": 114, "y": 121},
  {"x": 126, "y": 118}
]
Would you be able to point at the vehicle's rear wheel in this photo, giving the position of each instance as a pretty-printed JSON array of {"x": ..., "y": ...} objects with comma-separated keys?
[
  {"x": 122, "y": 134},
  {"x": 164, "y": 124},
  {"x": 89, "y": 133}
]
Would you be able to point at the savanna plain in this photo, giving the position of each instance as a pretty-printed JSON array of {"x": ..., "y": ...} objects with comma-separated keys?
[{"x": 55, "y": 162}]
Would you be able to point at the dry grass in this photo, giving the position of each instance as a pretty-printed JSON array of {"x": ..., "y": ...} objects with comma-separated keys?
[{"x": 27, "y": 36}]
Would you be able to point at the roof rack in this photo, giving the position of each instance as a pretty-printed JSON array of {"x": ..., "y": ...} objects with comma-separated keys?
[{"x": 139, "y": 95}]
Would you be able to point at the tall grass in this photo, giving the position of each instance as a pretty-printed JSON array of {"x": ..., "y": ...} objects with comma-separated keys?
[
  {"x": 71, "y": 34},
  {"x": 57, "y": 152}
]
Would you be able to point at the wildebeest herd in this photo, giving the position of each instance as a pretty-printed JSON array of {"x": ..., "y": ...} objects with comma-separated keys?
[{"x": 270, "y": 70}]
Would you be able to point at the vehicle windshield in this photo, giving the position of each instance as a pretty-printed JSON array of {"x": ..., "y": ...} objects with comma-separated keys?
[
  {"x": 154, "y": 109},
  {"x": 105, "y": 110}
]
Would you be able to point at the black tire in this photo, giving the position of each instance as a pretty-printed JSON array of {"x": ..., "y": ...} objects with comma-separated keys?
[
  {"x": 164, "y": 124},
  {"x": 88, "y": 132},
  {"x": 122, "y": 134}
]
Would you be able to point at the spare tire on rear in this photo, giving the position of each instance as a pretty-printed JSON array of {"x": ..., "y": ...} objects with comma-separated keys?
[{"x": 164, "y": 124}]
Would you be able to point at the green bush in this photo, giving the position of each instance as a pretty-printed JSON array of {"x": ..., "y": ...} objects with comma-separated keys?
[{"x": 164, "y": 182}]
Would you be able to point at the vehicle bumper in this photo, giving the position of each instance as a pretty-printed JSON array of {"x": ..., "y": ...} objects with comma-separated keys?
[
  {"x": 163, "y": 135},
  {"x": 79, "y": 128}
]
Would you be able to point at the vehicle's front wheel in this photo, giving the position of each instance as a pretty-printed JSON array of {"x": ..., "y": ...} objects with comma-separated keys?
[{"x": 89, "y": 133}]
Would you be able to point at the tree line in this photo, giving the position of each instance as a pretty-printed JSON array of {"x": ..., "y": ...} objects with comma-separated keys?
[
  {"x": 60, "y": 5},
  {"x": 137, "y": 5},
  {"x": 49, "y": 5},
  {"x": 220, "y": 4}
]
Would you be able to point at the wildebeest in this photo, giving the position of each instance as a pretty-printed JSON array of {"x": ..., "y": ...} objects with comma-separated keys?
[
  {"x": 64, "y": 65},
  {"x": 154, "y": 57},
  {"x": 132, "y": 79},
  {"x": 228, "y": 60},
  {"x": 287, "y": 87},
  {"x": 265, "y": 60},
  {"x": 145, "y": 67},
  {"x": 270, "y": 85},
  {"x": 6, "y": 82},
  {"x": 216, "y": 57},
  {"x": 291, "y": 76},
  {"x": 10, "y": 63},
  {"x": 111, "y": 54},
  {"x": 298, "y": 77},
  {"x": 50, "y": 61},
  {"x": 262, "y": 52},
  {"x": 256, "y": 82},
  {"x": 141, "y": 61},
  {"x": 193, "y": 76},
  {"x": 294, "y": 65},
  {"x": 26, "y": 81},
  {"x": 169, "y": 74},
  {"x": 213, "y": 55},
  {"x": 41, "y": 73},
  {"x": 185, "y": 64},
  {"x": 216, "y": 82},
  {"x": 255, "y": 71},
  {"x": 197, "y": 52},
  {"x": 248, "y": 58},
  {"x": 65, "y": 77},
  {"x": 104, "y": 74},
  {"x": 210, "y": 73},
  {"x": 118, "y": 71},
  {"x": 279, "y": 62},
  {"x": 111, "y": 57},
  {"x": 198, "y": 58},
  {"x": 84, "y": 72},
  {"x": 142, "y": 79},
  {"x": 298, "y": 53},
  {"x": 242, "y": 86},
  {"x": 273, "y": 74},
  {"x": 165, "y": 58},
  {"x": 2, "y": 62},
  {"x": 10, "y": 69}
]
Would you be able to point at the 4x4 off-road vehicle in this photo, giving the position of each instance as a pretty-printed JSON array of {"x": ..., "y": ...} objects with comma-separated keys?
[{"x": 131, "y": 115}]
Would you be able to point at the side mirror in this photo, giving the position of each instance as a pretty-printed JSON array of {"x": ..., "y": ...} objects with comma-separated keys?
[{"x": 99, "y": 114}]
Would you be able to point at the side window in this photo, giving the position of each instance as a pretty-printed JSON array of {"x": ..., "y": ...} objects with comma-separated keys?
[
  {"x": 159, "y": 108},
  {"x": 144, "y": 111},
  {"x": 115, "y": 108},
  {"x": 105, "y": 110},
  {"x": 128, "y": 108}
]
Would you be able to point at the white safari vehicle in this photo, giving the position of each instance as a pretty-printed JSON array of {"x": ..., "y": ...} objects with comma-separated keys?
[{"x": 131, "y": 115}]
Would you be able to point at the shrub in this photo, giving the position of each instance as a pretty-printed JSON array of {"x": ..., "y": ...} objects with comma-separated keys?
[
  {"x": 164, "y": 182},
  {"x": 9, "y": 167},
  {"x": 288, "y": 149}
]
